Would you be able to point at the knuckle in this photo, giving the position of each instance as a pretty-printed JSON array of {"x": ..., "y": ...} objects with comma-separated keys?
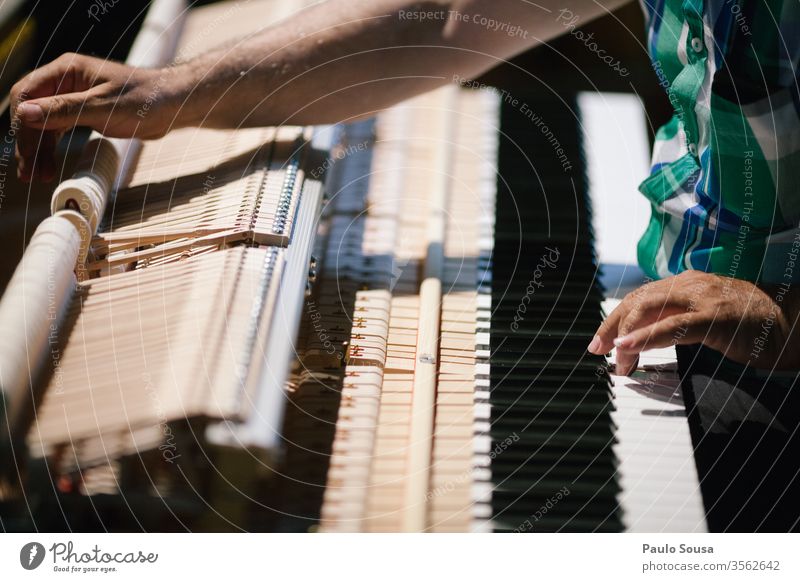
[
  {"x": 629, "y": 298},
  {"x": 56, "y": 104},
  {"x": 19, "y": 91},
  {"x": 68, "y": 57},
  {"x": 629, "y": 322},
  {"x": 653, "y": 300},
  {"x": 60, "y": 106}
]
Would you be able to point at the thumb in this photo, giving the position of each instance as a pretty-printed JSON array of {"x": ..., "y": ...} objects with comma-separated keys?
[{"x": 61, "y": 112}]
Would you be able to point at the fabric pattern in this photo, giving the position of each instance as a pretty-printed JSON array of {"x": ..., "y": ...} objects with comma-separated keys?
[{"x": 724, "y": 185}]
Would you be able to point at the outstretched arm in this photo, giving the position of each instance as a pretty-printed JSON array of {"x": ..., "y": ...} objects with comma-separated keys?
[{"x": 335, "y": 61}]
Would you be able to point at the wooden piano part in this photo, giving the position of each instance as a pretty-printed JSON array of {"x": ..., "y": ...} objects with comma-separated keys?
[
  {"x": 177, "y": 329},
  {"x": 229, "y": 193},
  {"x": 379, "y": 241},
  {"x": 159, "y": 344},
  {"x": 32, "y": 308}
]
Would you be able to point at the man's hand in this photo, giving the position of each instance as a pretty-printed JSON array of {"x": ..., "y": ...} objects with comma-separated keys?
[
  {"x": 734, "y": 317},
  {"x": 81, "y": 90}
]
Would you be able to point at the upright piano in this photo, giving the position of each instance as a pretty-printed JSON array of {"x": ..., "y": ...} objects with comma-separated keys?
[{"x": 378, "y": 326}]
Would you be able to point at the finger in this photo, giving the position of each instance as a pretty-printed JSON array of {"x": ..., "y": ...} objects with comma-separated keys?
[
  {"x": 626, "y": 362},
  {"x": 40, "y": 159},
  {"x": 62, "y": 112},
  {"x": 650, "y": 311},
  {"x": 602, "y": 342},
  {"x": 47, "y": 80},
  {"x": 686, "y": 328},
  {"x": 653, "y": 308},
  {"x": 46, "y": 158},
  {"x": 43, "y": 121},
  {"x": 58, "y": 76}
]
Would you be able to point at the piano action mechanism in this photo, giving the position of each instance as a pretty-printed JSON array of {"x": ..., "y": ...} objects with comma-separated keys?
[{"x": 311, "y": 328}]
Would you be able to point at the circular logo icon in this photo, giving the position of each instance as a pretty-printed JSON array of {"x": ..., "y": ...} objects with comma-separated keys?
[{"x": 31, "y": 555}]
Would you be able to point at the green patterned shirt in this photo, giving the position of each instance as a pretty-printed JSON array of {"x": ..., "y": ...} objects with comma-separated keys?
[{"x": 725, "y": 176}]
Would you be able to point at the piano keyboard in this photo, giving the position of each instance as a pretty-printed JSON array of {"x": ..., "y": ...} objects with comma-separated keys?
[
  {"x": 559, "y": 473},
  {"x": 657, "y": 472},
  {"x": 568, "y": 448}
]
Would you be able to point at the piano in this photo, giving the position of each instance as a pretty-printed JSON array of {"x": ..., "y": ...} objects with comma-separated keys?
[{"x": 372, "y": 327}]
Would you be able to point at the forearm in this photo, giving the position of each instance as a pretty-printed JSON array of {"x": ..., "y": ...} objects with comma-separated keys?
[
  {"x": 336, "y": 61},
  {"x": 344, "y": 59}
]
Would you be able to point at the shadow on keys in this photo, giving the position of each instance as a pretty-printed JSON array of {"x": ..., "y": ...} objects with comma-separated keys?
[{"x": 747, "y": 447}]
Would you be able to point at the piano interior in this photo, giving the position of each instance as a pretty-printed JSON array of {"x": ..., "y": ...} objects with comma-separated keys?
[{"x": 375, "y": 327}]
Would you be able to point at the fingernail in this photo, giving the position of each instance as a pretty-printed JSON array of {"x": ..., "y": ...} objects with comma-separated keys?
[
  {"x": 30, "y": 112},
  {"x": 622, "y": 341},
  {"x": 594, "y": 345}
]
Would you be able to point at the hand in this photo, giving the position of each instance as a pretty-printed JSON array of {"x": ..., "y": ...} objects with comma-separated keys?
[
  {"x": 737, "y": 318},
  {"x": 115, "y": 99}
]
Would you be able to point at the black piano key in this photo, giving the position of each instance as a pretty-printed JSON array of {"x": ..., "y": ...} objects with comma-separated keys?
[{"x": 547, "y": 393}]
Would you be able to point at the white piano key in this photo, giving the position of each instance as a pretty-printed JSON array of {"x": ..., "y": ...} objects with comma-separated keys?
[{"x": 657, "y": 473}]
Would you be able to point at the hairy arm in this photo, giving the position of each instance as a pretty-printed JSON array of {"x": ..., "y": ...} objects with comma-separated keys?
[
  {"x": 342, "y": 58},
  {"x": 335, "y": 61}
]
